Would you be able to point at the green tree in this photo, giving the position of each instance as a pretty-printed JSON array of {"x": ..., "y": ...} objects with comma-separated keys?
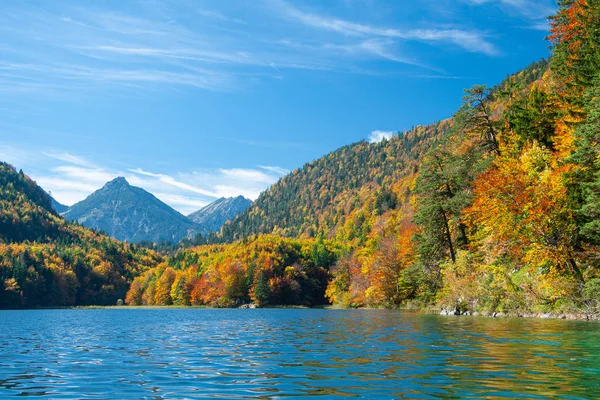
[
  {"x": 533, "y": 117},
  {"x": 475, "y": 118},
  {"x": 261, "y": 290},
  {"x": 587, "y": 157}
]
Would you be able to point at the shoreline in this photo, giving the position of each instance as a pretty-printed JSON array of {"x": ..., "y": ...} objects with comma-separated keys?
[
  {"x": 427, "y": 310},
  {"x": 570, "y": 316}
]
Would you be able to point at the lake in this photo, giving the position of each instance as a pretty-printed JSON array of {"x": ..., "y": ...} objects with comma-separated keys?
[{"x": 278, "y": 353}]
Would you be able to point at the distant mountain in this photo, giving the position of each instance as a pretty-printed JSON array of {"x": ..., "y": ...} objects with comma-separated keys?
[
  {"x": 58, "y": 207},
  {"x": 213, "y": 216},
  {"x": 130, "y": 214}
]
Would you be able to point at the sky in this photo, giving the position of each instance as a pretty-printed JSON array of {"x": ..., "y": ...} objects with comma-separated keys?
[{"x": 195, "y": 100}]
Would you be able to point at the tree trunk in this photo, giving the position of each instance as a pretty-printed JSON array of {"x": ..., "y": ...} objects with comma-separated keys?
[
  {"x": 448, "y": 236},
  {"x": 575, "y": 268}
]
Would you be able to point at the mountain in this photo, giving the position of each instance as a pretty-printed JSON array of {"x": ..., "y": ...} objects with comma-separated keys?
[
  {"x": 131, "y": 214},
  {"x": 213, "y": 216},
  {"x": 320, "y": 195},
  {"x": 46, "y": 261},
  {"x": 26, "y": 209},
  {"x": 58, "y": 207}
]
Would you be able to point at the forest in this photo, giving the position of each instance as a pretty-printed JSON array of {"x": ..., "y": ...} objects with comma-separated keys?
[
  {"x": 46, "y": 261},
  {"x": 496, "y": 209}
]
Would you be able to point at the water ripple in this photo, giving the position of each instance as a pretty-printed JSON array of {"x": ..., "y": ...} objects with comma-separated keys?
[{"x": 201, "y": 353}]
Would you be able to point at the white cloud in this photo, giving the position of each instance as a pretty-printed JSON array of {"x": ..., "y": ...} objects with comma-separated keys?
[
  {"x": 169, "y": 180},
  {"x": 14, "y": 156},
  {"x": 184, "y": 204},
  {"x": 277, "y": 170},
  {"x": 186, "y": 193},
  {"x": 377, "y": 136},
  {"x": 69, "y": 158},
  {"x": 91, "y": 175},
  {"x": 57, "y": 184},
  {"x": 65, "y": 190},
  {"x": 71, "y": 51},
  {"x": 219, "y": 16},
  {"x": 248, "y": 175}
]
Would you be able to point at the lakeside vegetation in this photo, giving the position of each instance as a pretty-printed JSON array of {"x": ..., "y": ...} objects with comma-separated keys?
[{"x": 494, "y": 210}]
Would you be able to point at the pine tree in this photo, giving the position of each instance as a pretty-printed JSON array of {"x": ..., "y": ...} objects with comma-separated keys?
[
  {"x": 587, "y": 157},
  {"x": 261, "y": 290}
]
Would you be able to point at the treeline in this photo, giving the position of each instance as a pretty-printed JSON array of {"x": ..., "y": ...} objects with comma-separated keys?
[
  {"x": 261, "y": 270},
  {"x": 46, "y": 261}
]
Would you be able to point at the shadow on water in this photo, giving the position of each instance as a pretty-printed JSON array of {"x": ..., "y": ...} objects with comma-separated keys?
[{"x": 179, "y": 353}]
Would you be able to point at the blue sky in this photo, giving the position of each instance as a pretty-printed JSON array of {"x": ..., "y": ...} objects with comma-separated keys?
[{"x": 194, "y": 100}]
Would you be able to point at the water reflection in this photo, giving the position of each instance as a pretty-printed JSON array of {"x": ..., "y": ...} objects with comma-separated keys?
[{"x": 179, "y": 353}]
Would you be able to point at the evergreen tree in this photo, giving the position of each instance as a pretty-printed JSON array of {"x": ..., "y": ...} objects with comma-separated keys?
[
  {"x": 261, "y": 290},
  {"x": 587, "y": 157}
]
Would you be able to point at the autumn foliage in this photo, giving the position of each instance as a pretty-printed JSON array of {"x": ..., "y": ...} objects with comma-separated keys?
[{"x": 493, "y": 210}]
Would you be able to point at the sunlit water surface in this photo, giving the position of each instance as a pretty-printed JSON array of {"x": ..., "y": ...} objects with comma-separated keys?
[{"x": 190, "y": 353}]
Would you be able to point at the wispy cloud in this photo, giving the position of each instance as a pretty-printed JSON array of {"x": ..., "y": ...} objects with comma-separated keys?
[
  {"x": 169, "y": 180},
  {"x": 377, "y": 136},
  {"x": 74, "y": 49},
  {"x": 15, "y": 156},
  {"x": 185, "y": 204},
  {"x": 69, "y": 158},
  {"x": 249, "y": 175},
  {"x": 468, "y": 40},
  {"x": 535, "y": 12},
  {"x": 85, "y": 174},
  {"x": 218, "y": 16},
  {"x": 274, "y": 169}
]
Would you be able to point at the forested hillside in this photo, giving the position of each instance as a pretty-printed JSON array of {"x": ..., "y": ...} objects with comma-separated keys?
[
  {"x": 264, "y": 270},
  {"x": 319, "y": 196},
  {"x": 495, "y": 210},
  {"x": 46, "y": 261}
]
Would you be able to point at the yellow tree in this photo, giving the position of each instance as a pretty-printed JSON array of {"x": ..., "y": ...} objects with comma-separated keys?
[{"x": 521, "y": 212}]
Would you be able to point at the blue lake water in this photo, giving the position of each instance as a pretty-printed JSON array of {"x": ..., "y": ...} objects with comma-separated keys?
[{"x": 277, "y": 353}]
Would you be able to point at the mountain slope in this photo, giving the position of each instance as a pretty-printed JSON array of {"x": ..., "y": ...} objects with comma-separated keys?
[
  {"x": 26, "y": 211},
  {"x": 46, "y": 261},
  {"x": 129, "y": 213},
  {"x": 213, "y": 216}
]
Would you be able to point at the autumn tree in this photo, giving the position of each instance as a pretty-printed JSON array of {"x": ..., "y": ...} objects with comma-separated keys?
[{"x": 476, "y": 120}]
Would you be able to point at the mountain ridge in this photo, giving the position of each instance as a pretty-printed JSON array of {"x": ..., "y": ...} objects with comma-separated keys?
[
  {"x": 213, "y": 216},
  {"x": 129, "y": 213}
]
